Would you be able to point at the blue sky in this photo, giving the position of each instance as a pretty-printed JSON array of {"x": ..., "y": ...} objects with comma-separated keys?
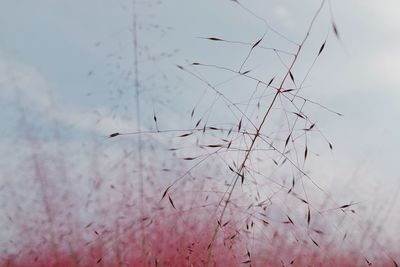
[{"x": 68, "y": 63}]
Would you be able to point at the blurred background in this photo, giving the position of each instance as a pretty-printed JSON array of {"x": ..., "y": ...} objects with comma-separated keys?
[{"x": 68, "y": 81}]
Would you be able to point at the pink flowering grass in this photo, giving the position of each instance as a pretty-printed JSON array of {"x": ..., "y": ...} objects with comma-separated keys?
[{"x": 234, "y": 193}]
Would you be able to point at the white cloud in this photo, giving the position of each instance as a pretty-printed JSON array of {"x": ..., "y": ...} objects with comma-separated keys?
[
  {"x": 387, "y": 11},
  {"x": 281, "y": 12},
  {"x": 25, "y": 86},
  {"x": 24, "y": 82},
  {"x": 385, "y": 67}
]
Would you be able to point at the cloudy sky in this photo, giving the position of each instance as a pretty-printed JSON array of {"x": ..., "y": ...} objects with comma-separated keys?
[{"x": 69, "y": 65}]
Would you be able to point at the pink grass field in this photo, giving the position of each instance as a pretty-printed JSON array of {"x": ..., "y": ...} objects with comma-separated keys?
[
  {"x": 222, "y": 193},
  {"x": 172, "y": 242},
  {"x": 120, "y": 233}
]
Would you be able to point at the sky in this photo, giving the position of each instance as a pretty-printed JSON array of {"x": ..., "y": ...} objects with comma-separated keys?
[{"x": 68, "y": 65}]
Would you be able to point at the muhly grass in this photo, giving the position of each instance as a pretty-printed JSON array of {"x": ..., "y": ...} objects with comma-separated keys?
[
  {"x": 233, "y": 194},
  {"x": 104, "y": 225},
  {"x": 178, "y": 233}
]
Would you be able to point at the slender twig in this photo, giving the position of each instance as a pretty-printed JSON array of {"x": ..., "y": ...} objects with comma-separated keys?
[
  {"x": 258, "y": 130},
  {"x": 138, "y": 121}
]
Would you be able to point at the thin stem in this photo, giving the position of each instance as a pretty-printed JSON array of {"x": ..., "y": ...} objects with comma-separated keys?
[
  {"x": 259, "y": 129},
  {"x": 138, "y": 121}
]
